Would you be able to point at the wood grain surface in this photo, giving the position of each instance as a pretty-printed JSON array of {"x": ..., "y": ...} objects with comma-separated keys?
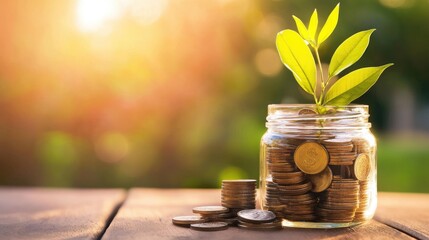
[
  {"x": 147, "y": 213},
  {"x": 407, "y": 212},
  {"x": 41, "y": 213},
  {"x": 36, "y": 213}
]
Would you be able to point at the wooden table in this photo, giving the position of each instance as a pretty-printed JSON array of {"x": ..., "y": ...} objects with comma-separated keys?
[{"x": 41, "y": 213}]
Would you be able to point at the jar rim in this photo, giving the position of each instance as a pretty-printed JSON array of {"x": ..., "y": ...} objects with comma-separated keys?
[
  {"x": 287, "y": 116},
  {"x": 301, "y": 105}
]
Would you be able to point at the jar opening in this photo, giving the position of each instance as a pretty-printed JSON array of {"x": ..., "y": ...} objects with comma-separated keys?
[{"x": 305, "y": 116}]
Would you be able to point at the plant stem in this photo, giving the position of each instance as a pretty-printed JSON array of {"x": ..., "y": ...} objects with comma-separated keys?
[{"x": 322, "y": 79}]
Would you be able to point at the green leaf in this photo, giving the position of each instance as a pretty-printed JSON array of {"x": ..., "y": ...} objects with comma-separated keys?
[
  {"x": 353, "y": 85},
  {"x": 297, "y": 57},
  {"x": 312, "y": 26},
  {"x": 301, "y": 28},
  {"x": 329, "y": 26},
  {"x": 349, "y": 52}
]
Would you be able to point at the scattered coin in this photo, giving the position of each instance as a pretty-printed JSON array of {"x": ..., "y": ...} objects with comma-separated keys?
[
  {"x": 187, "y": 220},
  {"x": 256, "y": 216},
  {"x": 218, "y": 216},
  {"x": 210, "y": 209},
  {"x": 210, "y": 226}
]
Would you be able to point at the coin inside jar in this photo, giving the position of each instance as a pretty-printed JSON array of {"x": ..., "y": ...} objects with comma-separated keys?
[
  {"x": 321, "y": 181},
  {"x": 311, "y": 157},
  {"x": 362, "y": 167},
  {"x": 307, "y": 111}
]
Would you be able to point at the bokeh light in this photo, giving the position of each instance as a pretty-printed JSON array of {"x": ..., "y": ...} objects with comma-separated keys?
[
  {"x": 112, "y": 147},
  {"x": 398, "y": 3},
  {"x": 174, "y": 93},
  {"x": 92, "y": 14},
  {"x": 147, "y": 11},
  {"x": 267, "y": 62}
]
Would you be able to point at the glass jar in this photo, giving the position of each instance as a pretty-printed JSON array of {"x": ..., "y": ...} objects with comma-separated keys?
[{"x": 318, "y": 170}]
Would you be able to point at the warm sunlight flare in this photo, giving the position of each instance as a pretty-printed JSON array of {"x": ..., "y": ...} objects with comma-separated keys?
[
  {"x": 173, "y": 93},
  {"x": 92, "y": 14},
  {"x": 147, "y": 11}
]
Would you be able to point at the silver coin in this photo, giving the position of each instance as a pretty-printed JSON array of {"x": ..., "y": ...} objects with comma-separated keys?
[
  {"x": 256, "y": 215},
  {"x": 187, "y": 220},
  {"x": 210, "y": 209},
  {"x": 210, "y": 226}
]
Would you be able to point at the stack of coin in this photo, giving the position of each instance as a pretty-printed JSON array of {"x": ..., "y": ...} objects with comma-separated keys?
[
  {"x": 239, "y": 194},
  {"x": 299, "y": 207},
  {"x": 361, "y": 171},
  {"x": 216, "y": 214},
  {"x": 364, "y": 200},
  {"x": 272, "y": 201},
  {"x": 289, "y": 195},
  {"x": 280, "y": 153},
  {"x": 341, "y": 151},
  {"x": 258, "y": 220},
  {"x": 340, "y": 201},
  {"x": 361, "y": 145}
]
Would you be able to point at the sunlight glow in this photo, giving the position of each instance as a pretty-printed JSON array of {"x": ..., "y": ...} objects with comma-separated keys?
[
  {"x": 92, "y": 14},
  {"x": 148, "y": 11}
]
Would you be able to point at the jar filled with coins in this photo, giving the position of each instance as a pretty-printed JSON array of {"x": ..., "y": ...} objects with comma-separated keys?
[{"x": 318, "y": 170}]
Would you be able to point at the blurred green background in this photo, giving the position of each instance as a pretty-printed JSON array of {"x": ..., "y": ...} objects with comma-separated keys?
[{"x": 174, "y": 93}]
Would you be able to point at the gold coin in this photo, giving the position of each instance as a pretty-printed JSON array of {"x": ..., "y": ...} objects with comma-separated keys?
[
  {"x": 321, "y": 181},
  {"x": 311, "y": 157},
  {"x": 362, "y": 167}
]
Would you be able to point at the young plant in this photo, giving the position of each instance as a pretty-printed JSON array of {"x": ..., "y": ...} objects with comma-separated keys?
[{"x": 299, "y": 52}]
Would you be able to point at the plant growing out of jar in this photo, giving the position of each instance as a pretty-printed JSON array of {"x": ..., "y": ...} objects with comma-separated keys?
[
  {"x": 299, "y": 52},
  {"x": 318, "y": 161}
]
